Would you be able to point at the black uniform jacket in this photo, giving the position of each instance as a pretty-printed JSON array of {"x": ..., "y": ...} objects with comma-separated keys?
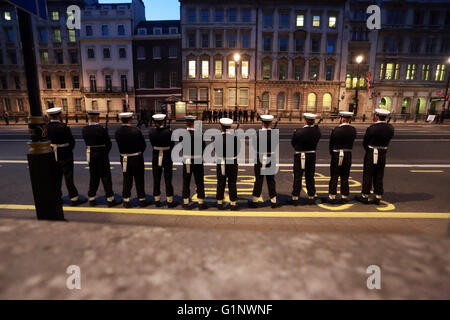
[
  {"x": 342, "y": 137},
  {"x": 378, "y": 135},
  {"x": 161, "y": 137},
  {"x": 97, "y": 135},
  {"x": 306, "y": 138},
  {"x": 130, "y": 140},
  {"x": 60, "y": 133},
  {"x": 224, "y": 153}
]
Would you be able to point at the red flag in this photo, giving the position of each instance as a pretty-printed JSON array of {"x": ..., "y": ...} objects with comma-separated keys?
[{"x": 368, "y": 81}]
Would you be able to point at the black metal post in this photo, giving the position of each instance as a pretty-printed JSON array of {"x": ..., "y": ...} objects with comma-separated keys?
[
  {"x": 357, "y": 91},
  {"x": 41, "y": 161},
  {"x": 236, "y": 76}
]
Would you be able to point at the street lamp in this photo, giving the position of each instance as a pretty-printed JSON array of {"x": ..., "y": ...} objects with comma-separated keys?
[
  {"x": 359, "y": 59},
  {"x": 237, "y": 58}
]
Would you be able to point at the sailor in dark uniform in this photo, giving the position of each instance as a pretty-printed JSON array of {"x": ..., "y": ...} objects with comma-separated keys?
[
  {"x": 162, "y": 144},
  {"x": 193, "y": 164},
  {"x": 341, "y": 145},
  {"x": 98, "y": 146},
  {"x": 265, "y": 158},
  {"x": 227, "y": 166},
  {"x": 63, "y": 143},
  {"x": 376, "y": 142},
  {"x": 131, "y": 145},
  {"x": 305, "y": 142}
]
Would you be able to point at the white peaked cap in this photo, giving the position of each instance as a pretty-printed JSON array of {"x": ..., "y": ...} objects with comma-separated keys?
[
  {"x": 125, "y": 115},
  {"x": 226, "y": 121},
  {"x": 54, "y": 110},
  {"x": 382, "y": 112},
  {"x": 346, "y": 114},
  {"x": 190, "y": 118},
  {"x": 310, "y": 116},
  {"x": 159, "y": 117},
  {"x": 266, "y": 117}
]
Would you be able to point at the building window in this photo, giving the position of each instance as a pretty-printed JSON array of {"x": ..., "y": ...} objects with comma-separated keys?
[
  {"x": 91, "y": 53},
  {"x": 440, "y": 72},
  {"x": 192, "y": 93},
  {"x": 12, "y": 56},
  {"x": 65, "y": 105},
  {"x": 296, "y": 101},
  {"x": 332, "y": 22},
  {"x": 326, "y": 102},
  {"x": 192, "y": 16},
  {"x": 218, "y": 68},
  {"x": 141, "y": 53},
  {"x": 48, "y": 82},
  {"x": 157, "y": 52},
  {"x": 7, "y": 15},
  {"x": 311, "y": 105},
  {"x": 124, "y": 83},
  {"x": 4, "y": 83},
  {"x": 281, "y": 100},
  {"x": 298, "y": 71},
  {"x": 173, "y": 52},
  {"x": 142, "y": 80},
  {"x": 8, "y": 104},
  {"x": 219, "y": 15},
  {"x": 231, "y": 69},
  {"x": 20, "y": 105},
  {"x": 267, "y": 43},
  {"x": 203, "y": 94},
  {"x": 43, "y": 35},
  {"x": 55, "y": 15},
  {"x": 17, "y": 82},
  {"x": 246, "y": 41},
  {"x": 430, "y": 45},
  {"x": 108, "y": 83},
  {"x": 300, "y": 21},
  {"x": 105, "y": 30},
  {"x": 173, "y": 30},
  {"x": 44, "y": 57},
  {"x": 299, "y": 44},
  {"x": 173, "y": 79},
  {"x": 284, "y": 20},
  {"x": 246, "y": 15},
  {"x": 62, "y": 82},
  {"x": 72, "y": 36},
  {"x": 192, "y": 69},
  {"x": 232, "y": 97},
  {"x": 267, "y": 70},
  {"x": 282, "y": 70},
  {"x": 268, "y": 20},
  {"x": 59, "y": 57},
  {"x": 329, "y": 73},
  {"x": 244, "y": 69},
  {"x": 283, "y": 44},
  {"x": 157, "y": 80},
  {"x": 92, "y": 83},
  {"x": 313, "y": 71},
  {"x": 204, "y": 14},
  {"x": 390, "y": 45},
  {"x": 106, "y": 53},
  {"x": 122, "y": 53},
  {"x": 265, "y": 100},
  {"x": 89, "y": 31},
  {"x": 315, "y": 44},
  {"x": 218, "y": 97},
  {"x": 76, "y": 82},
  {"x": 205, "y": 40},
  {"x": 205, "y": 69},
  {"x": 219, "y": 43},
  {"x": 243, "y": 96},
  {"x": 94, "y": 105},
  {"x": 411, "y": 72},
  {"x": 331, "y": 45},
  {"x": 391, "y": 72},
  {"x": 232, "y": 40},
  {"x": 57, "y": 35},
  {"x": 121, "y": 30},
  {"x": 9, "y": 34},
  {"x": 414, "y": 45},
  {"x": 157, "y": 31},
  {"x": 316, "y": 21},
  {"x": 232, "y": 15},
  {"x": 77, "y": 105}
]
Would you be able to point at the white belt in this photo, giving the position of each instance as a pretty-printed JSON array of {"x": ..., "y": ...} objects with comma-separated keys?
[
  {"x": 341, "y": 155},
  {"x": 125, "y": 159},
  {"x": 88, "y": 151},
  {"x": 160, "y": 154},
  {"x": 264, "y": 158},
  {"x": 223, "y": 163},
  {"x": 375, "y": 153},
  {"x": 303, "y": 157},
  {"x": 187, "y": 162},
  {"x": 55, "y": 148}
]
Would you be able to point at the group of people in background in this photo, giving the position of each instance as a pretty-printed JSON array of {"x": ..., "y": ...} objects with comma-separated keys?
[
  {"x": 237, "y": 115},
  {"x": 132, "y": 145}
]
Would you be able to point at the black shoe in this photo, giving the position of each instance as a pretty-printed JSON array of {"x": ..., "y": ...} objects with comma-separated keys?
[
  {"x": 172, "y": 204},
  {"x": 377, "y": 201},
  {"x": 311, "y": 201},
  {"x": 126, "y": 204},
  {"x": 92, "y": 203},
  {"x": 362, "y": 199},
  {"x": 158, "y": 204},
  {"x": 221, "y": 206},
  {"x": 344, "y": 200},
  {"x": 294, "y": 202},
  {"x": 252, "y": 204},
  {"x": 114, "y": 203},
  {"x": 144, "y": 203},
  {"x": 202, "y": 206},
  {"x": 235, "y": 208},
  {"x": 275, "y": 205},
  {"x": 332, "y": 201},
  {"x": 186, "y": 207},
  {"x": 78, "y": 202}
]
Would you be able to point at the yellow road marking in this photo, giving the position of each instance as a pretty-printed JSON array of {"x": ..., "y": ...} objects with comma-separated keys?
[
  {"x": 249, "y": 214},
  {"x": 356, "y": 170},
  {"x": 426, "y": 171}
]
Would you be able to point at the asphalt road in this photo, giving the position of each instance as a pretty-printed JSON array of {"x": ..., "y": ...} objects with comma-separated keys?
[{"x": 318, "y": 251}]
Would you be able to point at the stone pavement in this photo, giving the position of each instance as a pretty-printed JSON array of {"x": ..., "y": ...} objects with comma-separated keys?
[{"x": 123, "y": 261}]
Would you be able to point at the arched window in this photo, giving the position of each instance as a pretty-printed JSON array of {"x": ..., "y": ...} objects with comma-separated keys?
[
  {"x": 326, "y": 102},
  {"x": 265, "y": 100},
  {"x": 281, "y": 99},
  {"x": 386, "y": 103},
  {"x": 405, "y": 105},
  {"x": 348, "y": 81},
  {"x": 421, "y": 105},
  {"x": 282, "y": 70},
  {"x": 267, "y": 69},
  {"x": 311, "y": 105},
  {"x": 296, "y": 101}
]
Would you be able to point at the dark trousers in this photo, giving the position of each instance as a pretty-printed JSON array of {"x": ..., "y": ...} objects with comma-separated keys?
[
  {"x": 167, "y": 166},
  {"x": 310, "y": 169},
  {"x": 198, "y": 171},
  {"x": 100, "y": 169},
  {"x": 64, "y": 167},
  {"x": 259, "y": 179},
  {"x": 231, "y": 172},
  {"x": 342, "y": 172},
  {"x": 373, "y": 173},
  {"x": 136, "y": 171}
]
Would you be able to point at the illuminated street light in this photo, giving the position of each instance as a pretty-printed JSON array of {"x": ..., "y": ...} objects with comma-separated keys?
[
  {"x": 237, "y": 57},
  {"x": 359, "y": 59}
]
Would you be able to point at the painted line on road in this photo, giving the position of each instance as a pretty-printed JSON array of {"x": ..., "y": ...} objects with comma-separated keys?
[
  {"x": 426, "y": 171},
  {"x": 281, "y": 165},
  {"x": 247, "y": 214}
]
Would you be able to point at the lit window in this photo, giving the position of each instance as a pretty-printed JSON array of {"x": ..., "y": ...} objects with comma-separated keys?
[
  {"x": 57, "y": 35},
  {"x": 348, "y": 81},
  {"x": 72, "y": 35},
  {"x": 300, "y": 20},
  {"x": 243, "y": 96},
  {"x": 218, "y": 97},
  {"x": 231, "y": 69},
  {"x": 411, "y": 72},
  {"x": 192, "y": 69},
  {"x": 55, "y": 15},
  {"x": 205, "y": 69},
  {"x": 311, "y": 105},
  {"x": 440, "y": 72},
  {"x": 326, "y": 102},
  {"x": 316, "y": 21},
  {"x": 332, "y": 22},
  {"x": 232, "y": 96},
  {"x": 7, "y": 15},
  {"x": 244, "y": 69},
  {"x": 218, "y": 68},
  {"x": 426, "y": 72},
  {"x": 44, "y": 57}
]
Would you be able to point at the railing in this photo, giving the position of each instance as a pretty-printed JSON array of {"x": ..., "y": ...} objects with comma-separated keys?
[{"x": 107, "y": 90}]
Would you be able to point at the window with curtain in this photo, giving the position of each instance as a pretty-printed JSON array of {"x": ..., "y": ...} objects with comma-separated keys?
[
  {"x": 265, "y": 100},
  {"x": 205, "y": 69},
  {"x": 243, "y": 96},
  {"x": 231, "y": 69},
  {"x": 218, "y": 68},
  {"x": 267, "y": 70},
  {"x": 311, "y": 105},
  {"x": 231, "y": 96},
  {"x": 244, "y": 69},
  {"x": 191, "y": 67}
]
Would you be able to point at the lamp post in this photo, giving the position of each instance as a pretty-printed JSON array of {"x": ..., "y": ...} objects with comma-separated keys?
[
  {"x": 446, "y": 90},
  {"x": 237, "y": 58},
  {"x": 359, "y": 59}
]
